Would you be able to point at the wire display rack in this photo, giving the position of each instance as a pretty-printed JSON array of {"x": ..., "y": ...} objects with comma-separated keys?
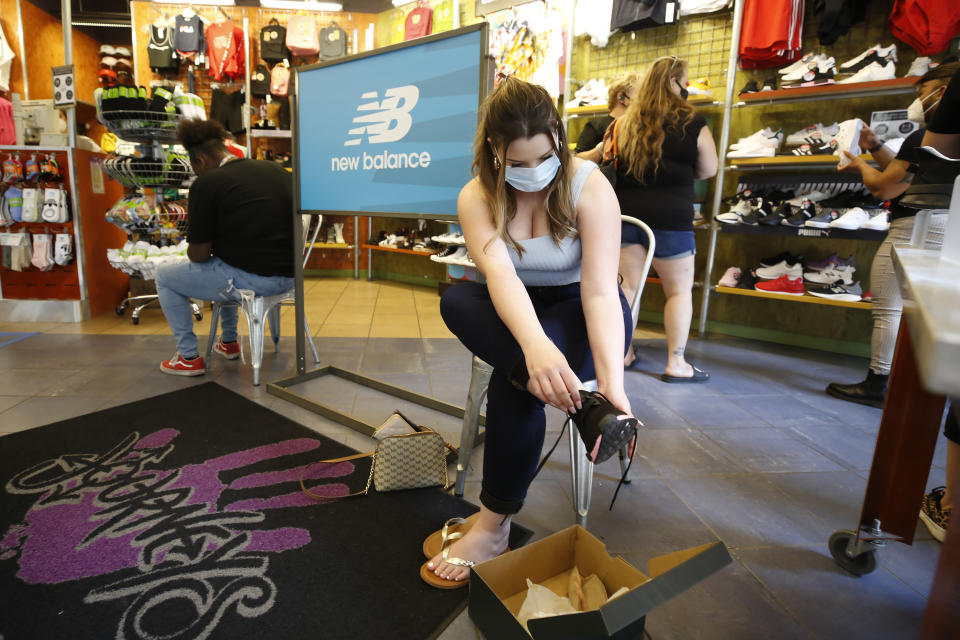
[
  {"x": 171, "y": 171},
  {"x": 143, "y": 126}
]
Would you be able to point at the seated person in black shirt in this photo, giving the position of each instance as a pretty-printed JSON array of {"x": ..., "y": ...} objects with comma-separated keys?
[
  {"x": 619, "y": 96},
  {"x": 240, "y": 235},
  {"x": 888, "y": 183}
]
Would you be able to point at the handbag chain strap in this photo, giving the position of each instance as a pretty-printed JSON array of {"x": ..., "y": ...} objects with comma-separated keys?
[{"x": 357, "y": 456}]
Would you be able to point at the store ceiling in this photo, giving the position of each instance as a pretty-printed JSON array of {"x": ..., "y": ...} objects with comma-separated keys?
[{"x": 118, "y": 12}]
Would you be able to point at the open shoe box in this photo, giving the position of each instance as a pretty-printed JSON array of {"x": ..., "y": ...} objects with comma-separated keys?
[{"x": 498, "y": 587}]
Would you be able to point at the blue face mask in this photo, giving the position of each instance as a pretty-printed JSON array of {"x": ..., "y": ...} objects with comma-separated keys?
[{"x": 535, "y": 179}]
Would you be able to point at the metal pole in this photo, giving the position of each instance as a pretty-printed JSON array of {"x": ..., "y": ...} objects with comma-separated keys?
[
  {"x": 66, "y": 16},
  {"x": 23, "y": 53},
  {"x": 356, "y": 247},
  {"x": 246, "y": 99},
  {"x": 369, "y": 252},
  {"x": 568, "y": 61},
  {"x": 456, "y": 13},
  {"x": 297, "y": 227},
  {"x": 724, "y": 141}
]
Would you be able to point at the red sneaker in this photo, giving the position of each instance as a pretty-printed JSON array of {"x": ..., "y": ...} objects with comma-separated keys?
[
  {"x": 783, "y": 284},
  {"x": 178, "y": 366},
  {"x": 229, "y": 350},
  {"x": 867, "y": 297}
]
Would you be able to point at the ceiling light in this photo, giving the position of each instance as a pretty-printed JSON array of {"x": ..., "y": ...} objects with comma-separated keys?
[{"x": 294, "y": 5}]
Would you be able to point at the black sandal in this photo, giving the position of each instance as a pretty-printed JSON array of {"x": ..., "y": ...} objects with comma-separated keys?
[{"x": 698, "y": 376}]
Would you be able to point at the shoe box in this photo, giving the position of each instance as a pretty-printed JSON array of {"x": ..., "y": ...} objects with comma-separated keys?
[{"x": 498, "y": 587}]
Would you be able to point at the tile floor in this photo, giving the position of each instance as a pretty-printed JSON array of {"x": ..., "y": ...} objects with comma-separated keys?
[{"x": 760, "y": 457}]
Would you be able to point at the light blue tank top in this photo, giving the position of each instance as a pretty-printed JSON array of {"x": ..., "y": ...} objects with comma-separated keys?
[{"x": 546, "y": 264}]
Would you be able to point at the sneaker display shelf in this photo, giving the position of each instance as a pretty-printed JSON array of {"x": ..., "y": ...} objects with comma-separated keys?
[
  {"x": 780, "y": 165},
  {"x": 151, "y": 169}
]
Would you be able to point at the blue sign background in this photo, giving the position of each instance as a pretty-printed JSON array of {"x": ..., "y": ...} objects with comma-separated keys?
[{"x": 444, "y": 122}]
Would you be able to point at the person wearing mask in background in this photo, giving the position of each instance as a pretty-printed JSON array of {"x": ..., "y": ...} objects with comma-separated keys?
[
  {"x": 543, "y": 228},
  {"x": 943, "y": 134},
  {"x": 590, "y": 142},
  {"x": 240, "y": 235},
  {"x": 663, "y": 145},
  {"x": 894, "y": 176}
]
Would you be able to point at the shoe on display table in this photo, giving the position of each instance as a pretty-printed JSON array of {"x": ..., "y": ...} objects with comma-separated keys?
[
  {"x": 789, "y": 267},
  {"x": 807, "y": 211},
  {"x": 872, "y": 73},
  {"x": 799, "y": 64},
  {"x": 851, "y": 220},
  {"x": 750, "y": 87},
  {"x": 731, "y": 278},
  {"x": 879, "y": 221},
  {"x": 822, "y": 220},
  {"x": 778, "y": 215},
  {"x": 919, "y": 66},
  {"x": 742, "y": 208},
  {"x": 838, "y": 291},
  {"x": 820, "y": 62},
  {"x": 876, "y": 53},
  {"x": 777, "y": 259},
  {"x": 784, "y": 284}
]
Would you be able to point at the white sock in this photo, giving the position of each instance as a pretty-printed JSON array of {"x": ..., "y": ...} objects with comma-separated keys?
[
  {"x": 41, "y": 250},
  {"x": 64, "y": 249}
]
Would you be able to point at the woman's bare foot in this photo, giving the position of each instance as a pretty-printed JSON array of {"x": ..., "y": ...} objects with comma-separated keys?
[
  {"x": 677, "y": 366},
  {"x": 486, "y": 539}
]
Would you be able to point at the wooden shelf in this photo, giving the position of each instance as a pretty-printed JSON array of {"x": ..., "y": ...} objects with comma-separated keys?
[
  {"x": 789, "y": 162},
  {"x": 804, "y": 232},
  {"x": 830, "y": 91},
  {"x": 602, "y": 109},
  {"x": 331, "y": 245},
  {"x": 410, "y": 252},
  {"x": 753, "y": 293}
]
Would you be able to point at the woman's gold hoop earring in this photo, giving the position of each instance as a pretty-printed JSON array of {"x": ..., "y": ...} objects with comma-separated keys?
[{"x": 496, "y": 162}]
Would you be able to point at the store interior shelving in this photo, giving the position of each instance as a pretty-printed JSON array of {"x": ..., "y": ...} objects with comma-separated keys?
[
  {"x": 893, "y": 86},
  {"x": 753, "y": 293}
]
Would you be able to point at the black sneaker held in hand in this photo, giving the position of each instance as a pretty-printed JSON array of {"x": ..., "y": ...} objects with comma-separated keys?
[{"x": 603, "y": 428}]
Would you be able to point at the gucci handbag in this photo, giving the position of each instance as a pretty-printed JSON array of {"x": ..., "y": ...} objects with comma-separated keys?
[{"x": 409, "y": 461}]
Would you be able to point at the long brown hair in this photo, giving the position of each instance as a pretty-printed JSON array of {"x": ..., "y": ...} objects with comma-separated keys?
[
  {"x": 656, "y": 110},
  {"x": 518, "y": 109}
]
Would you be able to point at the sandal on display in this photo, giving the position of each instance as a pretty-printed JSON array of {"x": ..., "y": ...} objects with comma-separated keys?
[{"x": 698, "y": 376}]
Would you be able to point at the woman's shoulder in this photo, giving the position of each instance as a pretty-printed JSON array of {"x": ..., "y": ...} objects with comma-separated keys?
[{"x": 697, "y": 122}]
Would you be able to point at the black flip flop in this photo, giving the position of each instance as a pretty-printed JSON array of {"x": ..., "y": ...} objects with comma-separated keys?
[
  {"x": 635, "y": 365},
  {"x": 698, "y": 376}
]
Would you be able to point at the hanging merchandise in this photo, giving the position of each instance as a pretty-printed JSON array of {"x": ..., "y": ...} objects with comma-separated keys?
[
  {"x": 13, "y": 203},
  {"x": 333, "y": 42},
  {"x": 691, "y": 7},
  {"x": 31, "y": 169},
  {"x": 837, "y": 16},
  {"x": 8, "y": 132},
  {"x": 55, "y": 205},
  {"x": 302, "y": 38},
  {"x": 160, "y": 51},
  {"x": 227, "y": 109},
  {"x": 419, "y": 22},
  {"x": 63, "y": 251},
  {"x": 225, "y": 50},
  {"x": 632, "y": 15},
  {"x": 592, "y": 18},
  {"x": 21, "y": 251},
  {"x": 926, "y": 25},
  {"x": 280, "y": 79},
  {"x": 260, "y": 81},
  {"x": 772, "y": 33},
  {"x": 42, "y": 251},
  {"x": 273, "y": 38},
  {"x": 31, "y": 205},
  {"x": 12, "y": 169},
  {"x": 6, "y": 62},
  {"x": 188, "y": 38},
  {"x": 190, "y": 105},
  {"x": 527, "y": 43}
]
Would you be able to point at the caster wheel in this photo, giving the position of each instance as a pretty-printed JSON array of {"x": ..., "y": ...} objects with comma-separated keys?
[
  {"x": 859, "y": 565},
  {"x": 198, "y": 316},
  {"x": 120, "y": 310},
  {"x": 135, "y": 320}
]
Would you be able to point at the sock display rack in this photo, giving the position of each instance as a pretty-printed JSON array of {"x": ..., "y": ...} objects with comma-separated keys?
[
  {"x": 786, "y": 171},
  {"x": 153, "y": 214}
]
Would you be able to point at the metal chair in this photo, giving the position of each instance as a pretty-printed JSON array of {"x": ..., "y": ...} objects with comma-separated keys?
[
  {"x": 257, "y": 309},
  {"x": 581, "y": 469}
]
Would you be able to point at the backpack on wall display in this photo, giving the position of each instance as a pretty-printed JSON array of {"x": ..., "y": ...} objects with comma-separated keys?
[
  {"x": 279, "y": 80},
  {"x": 333, "y": 42},
  {"x": 273, "y": 38},
  {"x": 302, "y": 38},
  {"x": 260, "y": 81},
  {"x": 419, "y": 23}
]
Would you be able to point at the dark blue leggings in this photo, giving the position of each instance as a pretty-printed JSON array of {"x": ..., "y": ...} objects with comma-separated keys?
[{"x": 516, "y": 421}]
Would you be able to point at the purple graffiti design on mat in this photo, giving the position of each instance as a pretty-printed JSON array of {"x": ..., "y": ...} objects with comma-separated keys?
[{"x": 102, "y": 513}]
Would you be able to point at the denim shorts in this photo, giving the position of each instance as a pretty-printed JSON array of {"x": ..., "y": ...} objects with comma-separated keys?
[{"x": 671, "y": 245}]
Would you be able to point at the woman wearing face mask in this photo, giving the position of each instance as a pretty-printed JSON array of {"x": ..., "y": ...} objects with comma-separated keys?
[
  {"x": 544, "y": 229},
  {"x": 663, "y": 145},
  {"x": 894, "y": 176}
]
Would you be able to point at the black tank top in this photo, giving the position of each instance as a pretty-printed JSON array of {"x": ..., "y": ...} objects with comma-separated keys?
[{"x": 160, "y": 50}]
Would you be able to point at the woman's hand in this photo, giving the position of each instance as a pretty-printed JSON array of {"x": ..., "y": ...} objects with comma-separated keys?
[
  {"x": 618, "y": 398},
  {"x": 552, "y": 380}
]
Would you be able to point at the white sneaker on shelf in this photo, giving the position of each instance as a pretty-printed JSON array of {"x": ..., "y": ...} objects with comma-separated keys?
[
  {"x": 851, "y": 220},
  {"x": 881, "y": 53},
  {"x": 782, "y": 268},
  {"x": 742, "y": 208},
  {"x": 831, "y": 275},
  {"x": 919, "y": 66},
  {"x": 731, "y": 278},
  {"x": 848, "y": 139},
  {"x": 872, "y": 73},
  {"x": 879, "y": 221},
  {"x": 800, "y": 136},
  {"x": 799, "y": 64},
  {"x": 759, "y": 150},
  {"x": 812, "y": 196},
  {"x": 750, "y": 140},
  {"x": 821, "y": 62}
]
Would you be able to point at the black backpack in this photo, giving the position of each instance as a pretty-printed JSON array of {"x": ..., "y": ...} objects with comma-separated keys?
[
  {"x": 273, "y": 38},
  {"x": 260, "y": 81}
]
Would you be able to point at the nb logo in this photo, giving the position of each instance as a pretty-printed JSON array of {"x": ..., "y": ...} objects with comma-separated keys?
[{"x": 386, "y": 120}]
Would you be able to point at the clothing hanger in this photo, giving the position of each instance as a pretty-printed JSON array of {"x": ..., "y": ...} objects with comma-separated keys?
[{"x": 226, "y": 16}]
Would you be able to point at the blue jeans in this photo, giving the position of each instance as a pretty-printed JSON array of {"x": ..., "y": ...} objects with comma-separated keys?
[{"x": 211, "y": 280}]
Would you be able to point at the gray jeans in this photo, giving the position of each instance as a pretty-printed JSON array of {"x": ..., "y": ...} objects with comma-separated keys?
[{"x": 887, "y": 303}]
